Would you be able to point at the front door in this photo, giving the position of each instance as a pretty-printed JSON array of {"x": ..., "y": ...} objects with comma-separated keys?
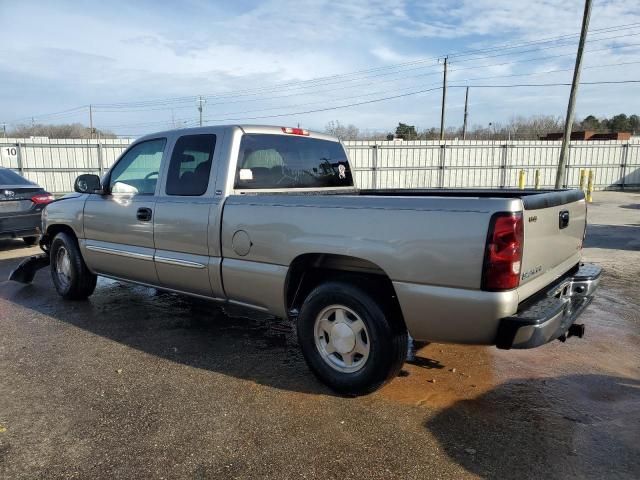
[{"x": 118, "y": 227}]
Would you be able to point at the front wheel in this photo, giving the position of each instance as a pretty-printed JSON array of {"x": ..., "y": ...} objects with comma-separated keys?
[
  {"x": 70, "y": 275},
  {"x": 348, "y": 340}
]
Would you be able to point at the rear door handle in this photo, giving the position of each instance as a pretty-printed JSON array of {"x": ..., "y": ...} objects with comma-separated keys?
[{"x": 144, "y": 214}]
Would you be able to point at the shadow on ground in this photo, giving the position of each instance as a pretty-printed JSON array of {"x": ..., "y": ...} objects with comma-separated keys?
[
  {"x": 616, "y": 237},
  {"x": 227, "y": 339},
  {"x": 201, "y": 334},
  {"x": 13, "y": 245},
  {"x": 578, "y": 426}
]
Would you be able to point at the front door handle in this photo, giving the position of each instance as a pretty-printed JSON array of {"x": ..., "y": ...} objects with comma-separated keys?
[{"x": 144, "y": 214}]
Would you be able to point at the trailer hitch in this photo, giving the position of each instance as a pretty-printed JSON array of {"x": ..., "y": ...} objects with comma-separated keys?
[
  {"x": 27, "y": 269},
  {"x": 575, "y": 330}
]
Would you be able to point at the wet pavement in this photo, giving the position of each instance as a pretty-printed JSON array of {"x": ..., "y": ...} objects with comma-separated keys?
[{"x": 135, "y": 383}]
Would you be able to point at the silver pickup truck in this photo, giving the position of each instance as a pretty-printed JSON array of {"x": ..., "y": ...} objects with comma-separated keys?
[{"x": 270, "y": 218}]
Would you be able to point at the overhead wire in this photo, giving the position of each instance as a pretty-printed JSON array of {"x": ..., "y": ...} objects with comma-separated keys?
[{"x": 311, "y": 83}]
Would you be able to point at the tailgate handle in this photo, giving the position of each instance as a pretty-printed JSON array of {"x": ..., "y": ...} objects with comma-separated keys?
[{"x": 564, "y": 219}]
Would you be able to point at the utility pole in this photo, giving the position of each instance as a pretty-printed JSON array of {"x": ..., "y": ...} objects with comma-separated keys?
[
  {"x": 444, "y": 97},
  {"x": 90, "y": 121},
  {"x": 200, "y": 103},
  {"x": 466, "y": 113},
  {"x": 566, "y": 138},
  {"x": 4, "y": 130}
]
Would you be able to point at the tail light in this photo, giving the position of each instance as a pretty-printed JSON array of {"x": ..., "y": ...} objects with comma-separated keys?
[
  {"x": 503, "y": 255},
  {"x": 295, "y": 131},
  {"x": 42, "y": 198}
]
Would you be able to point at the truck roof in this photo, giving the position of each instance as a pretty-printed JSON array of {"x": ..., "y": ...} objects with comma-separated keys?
[{"x": 246, "y": 128}]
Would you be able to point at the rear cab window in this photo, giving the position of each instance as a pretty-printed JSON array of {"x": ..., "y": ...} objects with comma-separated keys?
[
  {"x": 190, "y": 165},
  {"x": 268, "y": 161}
]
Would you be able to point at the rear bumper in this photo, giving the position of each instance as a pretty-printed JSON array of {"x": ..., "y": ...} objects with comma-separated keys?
[
  {"x": 550, "y": 315},
  {"x": 18, "y": 226}
]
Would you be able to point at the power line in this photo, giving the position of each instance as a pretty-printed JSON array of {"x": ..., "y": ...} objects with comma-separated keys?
[
  {"x": 464, "y": 81},
  {"x": 558, "y": 84},
  {"x": 47, "y": 115},
  {"x": 416, "y": 93},
  {"x": 550, "y": 47},
  {"x": 314, "y": 82},
  {"x": 546, "y": 40},
  {"x": 422, "y": 75}
]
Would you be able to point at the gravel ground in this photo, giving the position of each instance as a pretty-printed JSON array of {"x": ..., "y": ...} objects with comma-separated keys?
[{"x": 140, "y": 384}]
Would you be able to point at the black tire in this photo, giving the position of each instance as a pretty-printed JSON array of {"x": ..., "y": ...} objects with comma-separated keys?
[
  {"x": 387, "y": 338},
  {"x": 30, "y": 241},
  {"x": 81, "y": 282}
]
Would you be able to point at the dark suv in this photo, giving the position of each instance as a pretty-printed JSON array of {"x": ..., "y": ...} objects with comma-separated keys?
[{"x": 21, "y": 204}]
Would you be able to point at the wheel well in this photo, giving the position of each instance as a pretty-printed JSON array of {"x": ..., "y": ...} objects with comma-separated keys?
[
  {"x": 53, "y": 230},
  {"x": 310, "y": 270}
]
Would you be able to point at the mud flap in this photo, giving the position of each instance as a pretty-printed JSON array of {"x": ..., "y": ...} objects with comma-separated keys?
[{"x": 27, "y": 269}]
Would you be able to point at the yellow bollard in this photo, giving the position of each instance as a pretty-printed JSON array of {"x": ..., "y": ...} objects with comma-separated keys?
[
  {"x": 582, "y": 178},
  {"x": 521, "y": 178},
  {"x": 590, "y": 187},
  {"x": 537, "y": 179}
]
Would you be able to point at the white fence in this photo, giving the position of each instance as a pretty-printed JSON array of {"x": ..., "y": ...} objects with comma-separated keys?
[{"x": 54, "y": 164}]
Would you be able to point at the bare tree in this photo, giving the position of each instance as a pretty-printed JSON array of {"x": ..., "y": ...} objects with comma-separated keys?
[
  {"x": 343, "y": 132},
  {"x": 70, "y": 130}
]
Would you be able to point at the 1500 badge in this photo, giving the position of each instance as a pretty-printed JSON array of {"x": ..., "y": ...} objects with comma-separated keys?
[{"x": 530, "y": 273}]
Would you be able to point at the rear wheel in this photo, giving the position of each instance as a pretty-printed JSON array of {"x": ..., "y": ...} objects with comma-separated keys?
[
  {"x": 349, "y": 341},
  {"x": 30, "y": 241},
  {"x": 70, "y": 275}
]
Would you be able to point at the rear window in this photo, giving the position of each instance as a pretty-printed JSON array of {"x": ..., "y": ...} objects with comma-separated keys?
[
  {"x": 9, "y": 177},
  {"x": 280, "y": 161}
]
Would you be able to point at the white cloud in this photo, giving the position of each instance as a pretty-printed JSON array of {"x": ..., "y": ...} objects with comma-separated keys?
[{"x": 54, "y": 57}]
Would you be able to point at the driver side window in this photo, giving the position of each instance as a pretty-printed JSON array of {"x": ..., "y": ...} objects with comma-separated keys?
[{"x": 137, "y": 172}]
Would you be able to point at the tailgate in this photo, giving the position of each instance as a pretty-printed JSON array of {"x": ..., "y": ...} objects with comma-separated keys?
[{"x": 554, "y": 226}]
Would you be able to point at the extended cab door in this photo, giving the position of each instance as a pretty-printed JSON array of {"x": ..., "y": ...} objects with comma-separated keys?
[
  {"x": 118, "y": 226},
  {"x": 186, "y": 223}
]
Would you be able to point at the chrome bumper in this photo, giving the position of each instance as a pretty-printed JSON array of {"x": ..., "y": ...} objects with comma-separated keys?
[{"x": 550, "y": 316}]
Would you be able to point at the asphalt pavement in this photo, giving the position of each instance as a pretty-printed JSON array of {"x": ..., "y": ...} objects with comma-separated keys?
[{"x": 136, "y": 383}]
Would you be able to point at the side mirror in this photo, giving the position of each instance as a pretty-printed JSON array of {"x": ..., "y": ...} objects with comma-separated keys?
[{"x": 88, "y": 183}]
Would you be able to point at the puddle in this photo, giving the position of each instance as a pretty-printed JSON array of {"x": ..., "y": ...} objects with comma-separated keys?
[{"x": 437, "y": 375}]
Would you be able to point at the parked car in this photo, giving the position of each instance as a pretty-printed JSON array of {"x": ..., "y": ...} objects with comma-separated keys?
[
  {"x": 21, "y": 204},
  {"x": 270, "y": 218}
]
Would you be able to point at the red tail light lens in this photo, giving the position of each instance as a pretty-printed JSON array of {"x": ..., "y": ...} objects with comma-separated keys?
[
  {"x": 295, "y": 131},
  {"x": 42, "y": 198},
  {"x": 503, "y": 255}
]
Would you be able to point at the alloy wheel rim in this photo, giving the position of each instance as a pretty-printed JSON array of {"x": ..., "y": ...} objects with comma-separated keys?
[
  {"x": 63, "y": 267},
  {"x": 342, "y": 339}
]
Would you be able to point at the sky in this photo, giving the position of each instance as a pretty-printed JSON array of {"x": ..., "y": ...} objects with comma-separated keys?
[{"x": 144, "y": 65}]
